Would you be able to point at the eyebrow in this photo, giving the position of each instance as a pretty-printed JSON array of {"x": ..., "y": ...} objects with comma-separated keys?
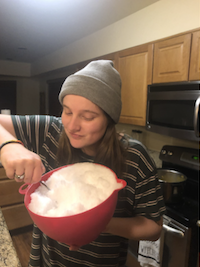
[{"x": 85, "y": 110}]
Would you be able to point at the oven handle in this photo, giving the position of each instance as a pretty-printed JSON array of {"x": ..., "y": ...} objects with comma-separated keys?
[
  {"x": 173, "y": 231},
  {"x": 196, "y": 112}
]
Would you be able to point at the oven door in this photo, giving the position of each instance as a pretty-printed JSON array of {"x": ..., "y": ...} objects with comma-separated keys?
[
  {"x": 176, "y": 243},
  {"x": 174, "y": 246}
]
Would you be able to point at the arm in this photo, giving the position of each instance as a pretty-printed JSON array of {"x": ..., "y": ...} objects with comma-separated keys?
[
  {"x": 135, "y": 228},
  {"x": 144, "y": 193},
  {"x": 15, "y": 158}
]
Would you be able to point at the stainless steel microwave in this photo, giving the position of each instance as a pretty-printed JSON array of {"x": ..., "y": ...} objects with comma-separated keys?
[{"x": 173, "y": 109}]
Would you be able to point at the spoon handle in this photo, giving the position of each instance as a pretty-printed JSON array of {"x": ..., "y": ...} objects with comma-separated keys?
[{"x": 43, "y": 183}]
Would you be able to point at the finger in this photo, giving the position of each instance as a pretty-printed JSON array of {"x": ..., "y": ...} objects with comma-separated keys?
[
  {"x": 10, "y": 173},
  {"x": 19, "y": 174},
  {"x": 37, "y": 173},
  {"x": 19, "y": 178},
  {"x": 73, "y": 248},
  {"x": 34, "y": 170},
  {"x": 43, "y": 169},
  {"x": 28, "y": 174}
]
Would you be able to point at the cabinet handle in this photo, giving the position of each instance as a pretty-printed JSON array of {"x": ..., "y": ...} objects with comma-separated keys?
[
  {"x": 196, "y": 112},
  {"x": 173, "y": 231}
]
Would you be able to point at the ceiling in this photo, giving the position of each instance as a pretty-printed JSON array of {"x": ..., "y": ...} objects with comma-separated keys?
[{"x": 32, "y": 29}]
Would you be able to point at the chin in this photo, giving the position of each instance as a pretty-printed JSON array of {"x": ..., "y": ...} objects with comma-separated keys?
[{"x": 76, "y": 144}]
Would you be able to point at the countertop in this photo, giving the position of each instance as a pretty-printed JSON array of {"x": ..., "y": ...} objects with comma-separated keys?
[{"x": 8, "y": 255}]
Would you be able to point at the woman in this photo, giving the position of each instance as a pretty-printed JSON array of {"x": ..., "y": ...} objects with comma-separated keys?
[{"x": 91, "y": 101}]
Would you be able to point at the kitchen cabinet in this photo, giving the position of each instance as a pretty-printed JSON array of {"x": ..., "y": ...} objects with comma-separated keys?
[
  {"x": 12, "y": 203},
  {"x": 195, "y": 57},
  {"x": 171, "y": 59},
  {"x": 135, "y": 67}
]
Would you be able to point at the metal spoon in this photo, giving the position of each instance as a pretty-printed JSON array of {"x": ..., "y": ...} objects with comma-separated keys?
[{"x": 43, "y": 183}]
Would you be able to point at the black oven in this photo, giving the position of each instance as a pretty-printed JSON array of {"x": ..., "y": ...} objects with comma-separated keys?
[
  {"x": 180, "y": 236},
  {"x": 173, "y": 109},
  {"x": 181, "y": 222}
]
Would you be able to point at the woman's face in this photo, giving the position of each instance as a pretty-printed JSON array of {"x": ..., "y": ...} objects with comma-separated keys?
[{"x": 84, "y": 123}]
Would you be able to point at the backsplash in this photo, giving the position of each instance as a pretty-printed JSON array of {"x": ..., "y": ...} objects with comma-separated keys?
[
  {"x": 153, "y": 141},
  {"x": 155, "y": 156}
]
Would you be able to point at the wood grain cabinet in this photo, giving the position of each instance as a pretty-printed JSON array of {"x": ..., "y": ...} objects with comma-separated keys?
[
  {"x": 195, "y": 57},
  {"x": 135, "y": 67},
  {"x": 171, "y": 59},
  {"x": 12, "y": 203}
]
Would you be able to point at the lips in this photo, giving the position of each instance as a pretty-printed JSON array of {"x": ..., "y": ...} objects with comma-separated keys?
[{"x": 75, "y": 136}]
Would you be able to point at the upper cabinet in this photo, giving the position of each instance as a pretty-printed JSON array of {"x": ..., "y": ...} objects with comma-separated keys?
[
  {"x": 135, "y": 68},
  {"x": 195, "y": 57},
  {"x": 171, "y": 59}
]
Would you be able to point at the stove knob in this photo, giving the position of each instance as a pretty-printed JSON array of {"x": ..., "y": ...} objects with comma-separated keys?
[
  {"x": 163, "y": 151},
  {"x": 169, "y": 153}
]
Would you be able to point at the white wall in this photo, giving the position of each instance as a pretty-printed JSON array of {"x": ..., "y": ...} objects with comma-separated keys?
[
  {"x": 12, "y": 68},
  {"x": 161, "y": 19}
]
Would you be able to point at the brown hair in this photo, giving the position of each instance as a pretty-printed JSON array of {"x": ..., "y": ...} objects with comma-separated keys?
[{"x": 109, "y": 153}]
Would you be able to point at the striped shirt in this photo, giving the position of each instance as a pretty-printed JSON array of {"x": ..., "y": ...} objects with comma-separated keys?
[{"x": 142, "y": 196}]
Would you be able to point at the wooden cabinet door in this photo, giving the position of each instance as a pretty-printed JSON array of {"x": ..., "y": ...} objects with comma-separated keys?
[
  {"x": 9, "y": 192},
  {"x": 16, "y": 216},
  {"x": 171, "y": 59},
  {"x": 135, "y": 68},
  {"x": 195, "y": 57}
]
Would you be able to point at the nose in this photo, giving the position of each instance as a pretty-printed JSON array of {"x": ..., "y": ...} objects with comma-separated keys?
[{"x": 74, "y": 124}]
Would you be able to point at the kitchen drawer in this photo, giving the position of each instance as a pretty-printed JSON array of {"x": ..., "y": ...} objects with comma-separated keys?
[
  {"x": 16, "y": 216},
  {"x": 9, "y": 192},
  {"x": 2, "y": 174}
]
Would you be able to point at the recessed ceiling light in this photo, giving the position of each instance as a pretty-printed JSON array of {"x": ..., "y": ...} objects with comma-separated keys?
[{"x": 22, "y": 48}]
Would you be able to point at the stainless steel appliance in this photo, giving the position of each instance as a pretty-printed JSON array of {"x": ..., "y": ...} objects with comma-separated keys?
[
  {"x": 181, "y": 231},
  {"x": 173, "y": 109},
  {"x": 180, "y": 235}
]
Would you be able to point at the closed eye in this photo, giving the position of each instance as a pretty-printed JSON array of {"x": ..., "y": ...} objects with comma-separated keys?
[
  {"x": 88, "y": 118},
  {"x": 66, "y": 110}
]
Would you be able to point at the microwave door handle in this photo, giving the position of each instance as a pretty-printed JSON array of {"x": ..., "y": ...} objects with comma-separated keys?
[{"x": 196, "y": 112}]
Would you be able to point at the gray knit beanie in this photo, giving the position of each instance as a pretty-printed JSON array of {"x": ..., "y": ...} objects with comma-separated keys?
[{"x": 99, "y": 82}]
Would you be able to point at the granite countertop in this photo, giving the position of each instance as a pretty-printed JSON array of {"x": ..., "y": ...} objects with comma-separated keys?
[{"x": 8, "y": 255}]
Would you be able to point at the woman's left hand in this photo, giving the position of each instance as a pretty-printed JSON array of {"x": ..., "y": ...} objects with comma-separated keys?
[{"x": 74, "y": 248}]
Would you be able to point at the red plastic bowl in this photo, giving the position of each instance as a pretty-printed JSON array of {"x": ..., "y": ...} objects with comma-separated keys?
[{"x": 79, "y": 229}]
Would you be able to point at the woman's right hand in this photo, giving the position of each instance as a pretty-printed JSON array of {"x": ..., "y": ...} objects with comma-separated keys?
[{"x": 17, "y": 161}]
